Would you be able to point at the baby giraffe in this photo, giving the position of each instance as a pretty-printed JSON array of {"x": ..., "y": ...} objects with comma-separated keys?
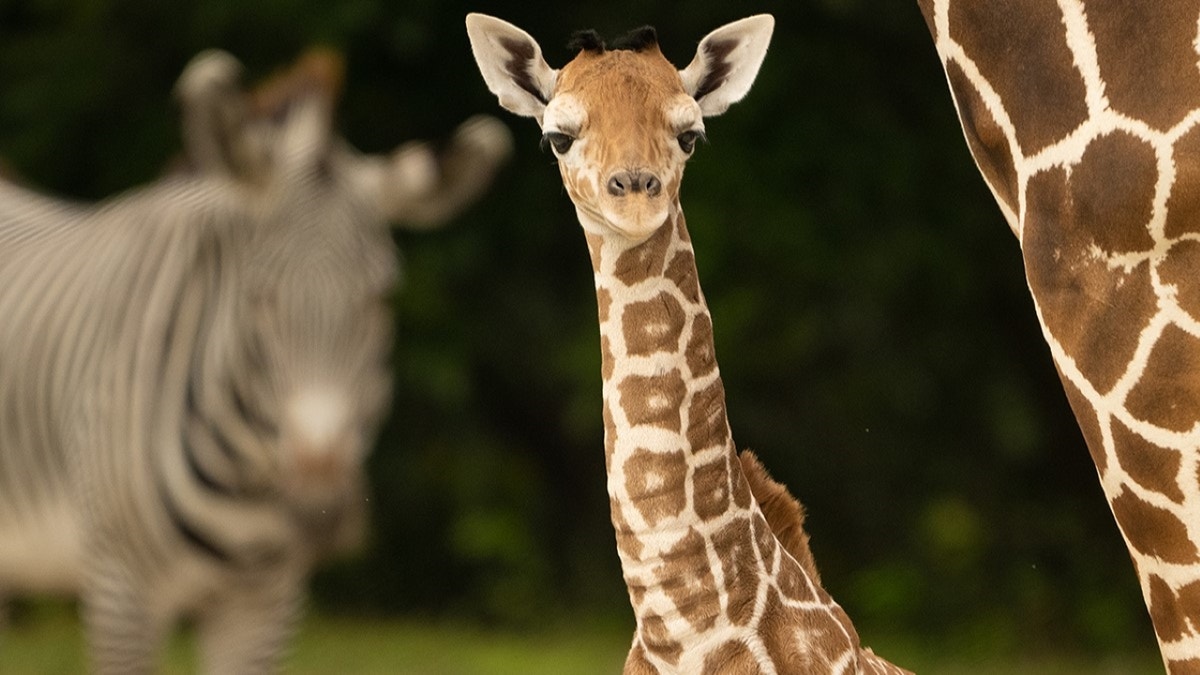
[{"x": 713, "y": 551}]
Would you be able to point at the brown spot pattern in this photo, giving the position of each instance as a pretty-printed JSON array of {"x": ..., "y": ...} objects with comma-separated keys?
[
  {"x": 1152, "y": 530},
  {"x": 610, "y": 435},
  {"x": 595, "y": 244},
  {"x": 681, "y": 230},
  {"x": 984, "y": 137},
  {"x": 927, "y": 13},
  {"x": 644, "y": 260},
  {"x": 637, "y": 663},
  {"x": 707, "y": 425},
  {"x": 1096, "y": 313},
  {"x": 1168, "y": 392},
  {"x": 607, "y": 361},
  {"x": 1165, "y": 613},
  {"x": 701, "y": 359},
  {"x": 580, "y": 190},
  {"x": 653, "y": 400},
  {"x": 711, "y": 488},
  {"x": 1184, "y": 667},
  {"x": 627, "y": 542},
  {"x": 741, "y": 491},
  {"x": 657, "y": 639},
  {"x": 1020, "y": 48},
  {"x": 1112, "y": 193},
  {"x": 1189, "y": 596},
  {"x": 1147, "y": 57},
  {"x": 638, "y": 588},
  {"x": 1077, "y": 219},
  {"x": 735, "y": 549},
  {"x": 603, "y": 303},
  {"x": 687, "y": 579},
  {"x": 652, "y": 326},
  {"x": 764, "y": 540},
  {"x": 823, "y": 645},
  {"x": 1152, "y": 467},
  {"x": 730, "y": 658},
  {"x": 1178, "y": 268},
  {"x": 793, "y": 584},
  {"x": 682, "y": 272},
  {"x": 1183, "y": 204},
  {"x": 655, "y": 483},
  {"x": 1085, "y": 415}
]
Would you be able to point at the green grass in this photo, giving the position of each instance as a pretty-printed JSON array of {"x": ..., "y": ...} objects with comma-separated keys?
[
  {"x": 48, "y": 641},
  {"x": 963, "y": 659}
]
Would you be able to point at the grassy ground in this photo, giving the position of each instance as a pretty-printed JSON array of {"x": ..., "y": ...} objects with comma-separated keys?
[{"x": 48, "y": 642}]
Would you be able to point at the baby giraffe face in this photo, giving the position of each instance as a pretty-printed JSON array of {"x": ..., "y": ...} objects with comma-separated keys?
[
  {"x": 622, "y": 128},
  {"x": 622, "y": 122}
]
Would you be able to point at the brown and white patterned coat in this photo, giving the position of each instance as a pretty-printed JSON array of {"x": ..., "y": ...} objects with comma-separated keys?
[
  {"x": 1084, "y": 119},
  {"x": 713, "y": 551}
]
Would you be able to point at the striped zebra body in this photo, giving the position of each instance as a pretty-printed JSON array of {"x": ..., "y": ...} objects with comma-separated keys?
[{"x": 191, "y": 374}]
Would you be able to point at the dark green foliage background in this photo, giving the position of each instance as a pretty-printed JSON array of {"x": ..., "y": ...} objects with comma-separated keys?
[{"x": 878, "y": 344}]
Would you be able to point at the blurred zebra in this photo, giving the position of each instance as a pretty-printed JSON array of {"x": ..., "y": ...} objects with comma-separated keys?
[{"x": 192, "y": 372}]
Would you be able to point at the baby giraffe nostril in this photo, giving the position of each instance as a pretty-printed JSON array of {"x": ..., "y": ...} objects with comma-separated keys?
[
  {"x": 653, "y": 185},
  {"x": 625, "y": 182},
  {"x": 617, "y": 184}
]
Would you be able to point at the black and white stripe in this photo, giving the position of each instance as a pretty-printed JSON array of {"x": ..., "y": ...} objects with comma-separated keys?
[{"x": 191, "y": 373}]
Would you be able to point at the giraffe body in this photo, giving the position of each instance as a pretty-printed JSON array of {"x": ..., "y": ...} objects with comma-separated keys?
[
  {"x": 1084, "y": 119},
  {"x": 711, "y": 585}
]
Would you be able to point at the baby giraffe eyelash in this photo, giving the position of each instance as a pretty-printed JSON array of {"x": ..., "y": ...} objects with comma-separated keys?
[
  {"x": 559, "y": 141},
  {"x": 687, "y": 140}
]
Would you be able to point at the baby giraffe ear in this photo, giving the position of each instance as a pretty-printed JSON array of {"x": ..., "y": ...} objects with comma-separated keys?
[
  {"x": 512, "y": 65},
  {"x": 727, "y": 62}
]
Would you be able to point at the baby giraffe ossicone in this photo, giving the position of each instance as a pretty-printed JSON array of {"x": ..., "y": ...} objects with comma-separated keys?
[{"x": 713, "y": 551}]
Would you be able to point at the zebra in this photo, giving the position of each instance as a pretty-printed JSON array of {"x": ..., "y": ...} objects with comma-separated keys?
[{"x": 192, "y": 372}]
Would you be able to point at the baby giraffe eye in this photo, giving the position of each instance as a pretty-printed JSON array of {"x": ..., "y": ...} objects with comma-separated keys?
[
  {"x": 687, "y": 140},
  {"x": 559, "y": 141}
]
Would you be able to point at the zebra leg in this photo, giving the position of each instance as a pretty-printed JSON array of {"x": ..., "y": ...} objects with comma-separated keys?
[
  {"x": 123, "y": 634},
  {"x": 247, "y": 630}
]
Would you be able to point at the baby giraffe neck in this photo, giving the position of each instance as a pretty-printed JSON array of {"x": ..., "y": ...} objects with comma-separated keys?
[
  {"x": 692, "y": 542},
  {"x": 662, "y": 389},
  {"x": 710, "y": 584}
]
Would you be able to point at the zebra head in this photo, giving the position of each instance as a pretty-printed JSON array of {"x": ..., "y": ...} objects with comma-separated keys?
[{"x": 300, "y": 365}]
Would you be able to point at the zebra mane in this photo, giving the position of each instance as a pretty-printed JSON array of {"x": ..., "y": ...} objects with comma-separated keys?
[
  {"x": 244, "y": 134},
  {"x": 320, "y": 71}
]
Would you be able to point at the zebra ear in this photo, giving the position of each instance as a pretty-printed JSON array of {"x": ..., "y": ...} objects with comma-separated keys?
[
  {"x": 292, "y": 113},
  {"x": 284, "y": 124},
  {"x": 419, "y": 188},
  {"x": 213, "y": 109},
  {"x": 727, "y": 62}
]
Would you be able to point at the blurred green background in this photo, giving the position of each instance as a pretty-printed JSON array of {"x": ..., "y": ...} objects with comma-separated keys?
[{"x": 878, "y": 345}]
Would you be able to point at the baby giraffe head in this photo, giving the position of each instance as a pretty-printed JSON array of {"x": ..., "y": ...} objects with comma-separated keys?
[{"x": 622, "y": 121}]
